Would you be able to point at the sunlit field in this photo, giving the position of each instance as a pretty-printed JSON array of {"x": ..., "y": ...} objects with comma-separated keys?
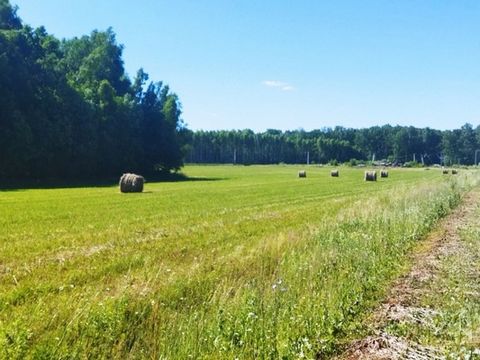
[{"x": 236, "y": 262}]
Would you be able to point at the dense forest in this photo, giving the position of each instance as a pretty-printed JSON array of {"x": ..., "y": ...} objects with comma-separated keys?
[
  {"x": 392, "y": 143},
  {"x": 68, "y": 109}
]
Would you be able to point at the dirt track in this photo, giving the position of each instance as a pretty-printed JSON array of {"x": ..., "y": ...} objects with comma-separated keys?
[{"x": 402, "y": 302}]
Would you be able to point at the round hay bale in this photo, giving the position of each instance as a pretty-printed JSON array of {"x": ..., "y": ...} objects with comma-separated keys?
[
  {"x": 370, "y": 176},
  {"x": 445, "y": 171},
  {"x": 454, "y": 172},
  {"x": 302, "y": 174},
  {"x": 384, "y": 174},
  {"x": 334, "y": 173},
  {"x": 131, "y": 183}
]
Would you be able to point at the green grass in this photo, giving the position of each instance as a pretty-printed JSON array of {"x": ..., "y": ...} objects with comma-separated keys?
[
  {"x": 451, "y": 297},
  {"x": 245, "y": 262}
]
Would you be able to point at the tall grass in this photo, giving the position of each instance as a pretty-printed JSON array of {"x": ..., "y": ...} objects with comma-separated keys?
[{"x": 256, "y": 264}]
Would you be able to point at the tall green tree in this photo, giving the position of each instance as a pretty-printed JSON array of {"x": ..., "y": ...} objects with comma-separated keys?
[{"x": 68, "y": 109}]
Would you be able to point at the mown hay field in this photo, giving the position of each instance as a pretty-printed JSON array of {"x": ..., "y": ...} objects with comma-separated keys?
[{"x": 238, "y": 262}]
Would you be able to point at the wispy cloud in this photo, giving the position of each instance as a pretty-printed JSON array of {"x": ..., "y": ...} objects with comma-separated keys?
[{"x": 278, "y": 85}]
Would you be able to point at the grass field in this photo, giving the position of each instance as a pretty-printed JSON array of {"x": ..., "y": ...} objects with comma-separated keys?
[{"x": 238, "y": 262}]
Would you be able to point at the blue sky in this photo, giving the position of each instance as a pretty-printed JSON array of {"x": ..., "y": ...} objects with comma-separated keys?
[{"x": 294, "y": 64}]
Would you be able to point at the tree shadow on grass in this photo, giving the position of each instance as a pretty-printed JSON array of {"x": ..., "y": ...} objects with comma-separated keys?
[{"x": 45, "y": 184}]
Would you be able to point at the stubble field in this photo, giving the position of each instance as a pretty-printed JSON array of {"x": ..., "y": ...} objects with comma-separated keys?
[{"x": 237, "y": 262}]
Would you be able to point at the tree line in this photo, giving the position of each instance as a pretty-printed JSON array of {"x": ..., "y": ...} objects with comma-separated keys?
[
  {"x": 399, "y": 144},
  {"x": 68, "y": 109}
]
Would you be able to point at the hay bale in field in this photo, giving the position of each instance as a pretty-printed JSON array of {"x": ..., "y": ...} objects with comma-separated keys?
[
  {"x": 334, "y": 173},
  {"x": 302, "y": 174},
  {"x": 131, "y": 183},
  {"x": 370, "y": 176},
  {"x": 454, "y": 172},
  {"x": 384, "y": 174},
  {"x": 445, "y": 171}
]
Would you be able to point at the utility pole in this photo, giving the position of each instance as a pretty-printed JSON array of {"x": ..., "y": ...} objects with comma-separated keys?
[
  {"x": 308, "y": 157},
  {"x": 476, "y": 152},
  {"x": 234, "y": 156}
]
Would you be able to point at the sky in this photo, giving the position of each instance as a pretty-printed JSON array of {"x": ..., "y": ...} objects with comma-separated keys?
[{"x": 278, "y": 64}]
